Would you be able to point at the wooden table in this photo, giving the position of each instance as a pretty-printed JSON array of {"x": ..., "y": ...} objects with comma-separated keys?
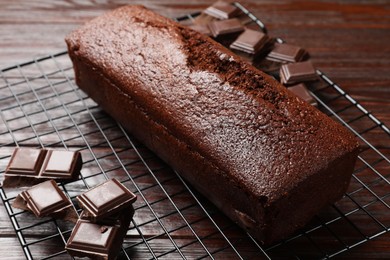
[{"x": 348, "y": 40}]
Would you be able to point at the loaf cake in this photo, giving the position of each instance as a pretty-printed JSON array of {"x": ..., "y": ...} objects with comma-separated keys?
[{"x": 263, "y": 156}]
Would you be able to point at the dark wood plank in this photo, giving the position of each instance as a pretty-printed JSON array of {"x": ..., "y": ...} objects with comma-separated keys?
[{"x": 11, "y": 248}]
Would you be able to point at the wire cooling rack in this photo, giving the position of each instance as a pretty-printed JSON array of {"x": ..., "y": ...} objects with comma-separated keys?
[{"x": 40, "y": 106}]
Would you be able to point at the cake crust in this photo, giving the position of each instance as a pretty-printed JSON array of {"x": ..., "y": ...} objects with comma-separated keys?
[{"x": 264, "y": 157}]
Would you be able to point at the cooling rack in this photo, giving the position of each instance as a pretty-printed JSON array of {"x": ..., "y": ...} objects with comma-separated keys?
[{"x": 41, "y": 106}]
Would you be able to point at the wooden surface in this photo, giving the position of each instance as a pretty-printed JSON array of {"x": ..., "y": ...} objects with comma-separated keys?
[{"x": 348, "y": 40}]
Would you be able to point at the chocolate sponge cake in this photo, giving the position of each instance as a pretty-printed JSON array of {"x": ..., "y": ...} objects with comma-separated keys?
[{"x": 267, "y": 159}]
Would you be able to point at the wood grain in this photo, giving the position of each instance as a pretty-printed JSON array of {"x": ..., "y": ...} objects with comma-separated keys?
[{"x": 348, "y": 40}]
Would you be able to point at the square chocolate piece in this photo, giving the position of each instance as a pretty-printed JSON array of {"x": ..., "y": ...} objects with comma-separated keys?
[
  {"x": 222, "y": 10},
  {"x": 283, "y": 52},
  {"x": 302, "y": 92},
  {"x": 105, "y": 199},
  {"x": 95, "y": 241},
  {"x": 43, "y": 199},
  {"x": 297, "y": 72},
  {"x": 251, "y": 41},
  {"x": 93, "y": 236},
  {"x": 226, "y": 27},
  {"x": 100, "y": 241},
  {"x": 26, "y": 162},
  {"x": 61, "y": 164}
]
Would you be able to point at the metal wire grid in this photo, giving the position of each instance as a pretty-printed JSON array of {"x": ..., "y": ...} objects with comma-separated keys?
[{"x": 40, "y": 106}]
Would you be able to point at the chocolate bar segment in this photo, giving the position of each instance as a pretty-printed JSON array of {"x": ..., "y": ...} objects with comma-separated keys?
[
  {"x": 222, "y": 10},
  {"x": 251, "y": 44},
  {"x": 99, "y": 241},
  {"x": 102, "y": 239},
  {"x": 46, "y": 199},
  {"x": 204, "y": 19},
  {"x": 297, "y": 72},
  {"x": 92, "y": 239},
  {"x": 302, "y": 92},
  {"x": 29, "y": 166},
  {"x": 105, "y": 200},
  {"x": 25, "y": 162},
  {"x": 202, "y": 28},
  {"x": 61, "y": 164},
  {"x": 226, "y": 27},
  {"x": 283, "y": 52}
]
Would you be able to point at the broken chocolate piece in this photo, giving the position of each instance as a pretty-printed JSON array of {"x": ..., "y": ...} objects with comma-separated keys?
[
  {"x": 302, "y": 92},
  {"x": 29, "y": 166},
  {"x": 297, "y": 72},
  {"x": 46, "y": 199},
  {"x": 283, "y": 52},
  {"x": 222, "y": 10},
  {"x": 104, "y": 200}
]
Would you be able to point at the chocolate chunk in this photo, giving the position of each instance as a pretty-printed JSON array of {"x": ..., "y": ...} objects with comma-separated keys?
[
  {"x": 186, "y": 22},
  {"x": 222, "y": 10},
  {"x": 302, "y": 92},
  {"x": 226, "y": 27},
  {"x": 248, "y": 21},
  {"x": 270, "y": 67},
  {"x": 297, "y": 72},
  {"x": 87, "y": 238},
  {"x": 203, "y": 19},
  {"x": 25, "y": 162},
  {"x": 283, "y": 52},
  {"x": 252, "y": 42},
  {"x": 61, "y": 164},
  {"x": 99, "y": 241},
  {"x": 29, "y": 166},
  {"x": 105, "y": 200},
  {"x": 46, "y": 199},
  {"x": 202, "y": 28}
]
